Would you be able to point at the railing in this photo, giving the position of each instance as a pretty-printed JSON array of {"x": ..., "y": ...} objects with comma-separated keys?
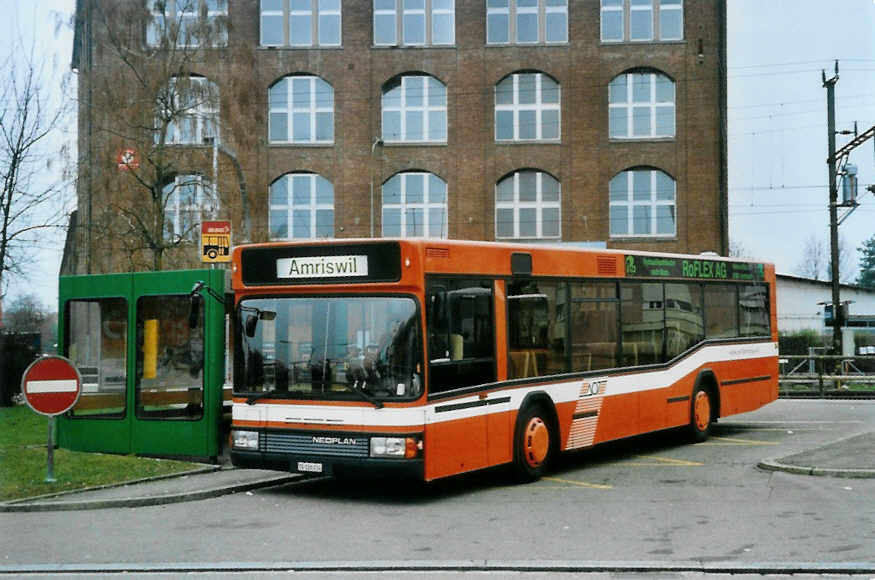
[{"x": 820, "y": 375}]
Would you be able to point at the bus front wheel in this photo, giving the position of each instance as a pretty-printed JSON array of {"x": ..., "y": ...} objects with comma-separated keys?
[
  {"x": 533, "y": 443},
  {"x": 701, "y": 414}
]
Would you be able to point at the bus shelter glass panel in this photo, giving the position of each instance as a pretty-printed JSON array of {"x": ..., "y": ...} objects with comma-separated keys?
[
  {"x": 97, "y": 344},
  {"x": 170, "y": 358}
]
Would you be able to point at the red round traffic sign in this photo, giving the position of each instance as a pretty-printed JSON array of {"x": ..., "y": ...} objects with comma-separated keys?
[{"x": 51, "y": 385}]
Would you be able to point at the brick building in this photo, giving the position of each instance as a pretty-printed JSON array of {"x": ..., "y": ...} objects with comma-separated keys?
[{"x": 598, "y": 121}]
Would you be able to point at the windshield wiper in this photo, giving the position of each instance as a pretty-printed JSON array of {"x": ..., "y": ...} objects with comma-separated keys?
[{"x": 363, "y": 395}]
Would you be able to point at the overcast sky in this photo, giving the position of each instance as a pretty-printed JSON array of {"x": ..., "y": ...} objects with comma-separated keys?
[{"x": 778, "y": 178}]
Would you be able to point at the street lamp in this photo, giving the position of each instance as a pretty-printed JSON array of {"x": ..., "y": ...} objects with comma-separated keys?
[{"x": 374, "y": 145}]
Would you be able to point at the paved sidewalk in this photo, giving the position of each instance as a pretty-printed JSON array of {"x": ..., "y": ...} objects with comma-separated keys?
[
  {"x": 190, "y": 486},
  {"x": 853, "y": 457}
]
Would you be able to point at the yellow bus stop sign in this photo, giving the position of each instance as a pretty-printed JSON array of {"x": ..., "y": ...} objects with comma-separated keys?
[{"x": 215, "y": 242}]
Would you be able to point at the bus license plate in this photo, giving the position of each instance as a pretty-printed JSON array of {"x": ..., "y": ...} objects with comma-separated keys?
[{"x": 309, "y": 467}]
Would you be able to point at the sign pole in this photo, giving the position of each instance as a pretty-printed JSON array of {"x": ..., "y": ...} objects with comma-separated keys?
[
  {"x": 51, "y": 386},
  {"x": 50, "y": 468}
]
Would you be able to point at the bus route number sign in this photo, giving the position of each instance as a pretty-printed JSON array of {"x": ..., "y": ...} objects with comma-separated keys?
[{"x": 216, "y": 242}]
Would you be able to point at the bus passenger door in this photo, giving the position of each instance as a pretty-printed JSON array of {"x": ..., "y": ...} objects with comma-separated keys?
[{"x": 461, "y": 355}]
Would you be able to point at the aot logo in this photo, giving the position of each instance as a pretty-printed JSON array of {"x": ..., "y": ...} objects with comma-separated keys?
[{"x": 593, "y": 388}]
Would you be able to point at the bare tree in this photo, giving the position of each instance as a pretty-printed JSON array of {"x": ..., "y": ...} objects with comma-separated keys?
[
  {"x": 157, "y": 108},
  {"x": 814, "y": 260},
  {"x": 30, "y": 202}
]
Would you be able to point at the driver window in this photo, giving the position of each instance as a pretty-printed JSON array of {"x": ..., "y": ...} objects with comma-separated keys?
[{"x": 461, "y": 338}]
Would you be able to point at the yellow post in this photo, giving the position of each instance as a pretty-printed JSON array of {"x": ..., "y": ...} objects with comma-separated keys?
[{"x": 150, "y": 349}]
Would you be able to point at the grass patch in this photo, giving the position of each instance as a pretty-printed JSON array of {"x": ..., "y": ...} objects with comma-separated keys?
[{"x": 23, "y": 436}]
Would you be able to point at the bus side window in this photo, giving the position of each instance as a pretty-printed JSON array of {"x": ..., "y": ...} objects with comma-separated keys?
[{"x": 461, "y": 338}]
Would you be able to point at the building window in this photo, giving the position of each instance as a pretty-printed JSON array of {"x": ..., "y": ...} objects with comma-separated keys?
[
  {"x": 642, "y": 204},
  {"x": 414, "y": 22},
  {"x": 187, "y": 22},
  {"x": 641, "y": 105},
  {"x": 527, "y": 206},
  {"x": 301, "y": 23},
  {"x": 414, "y": 110},
  {"x": 189, "y": 108},
  {"x": 415, "y": 206},
  {"x": 526, "y": 21},
  {"x": 527, "y": 108},
  {"x": 642, "y": 20},
  {"x": 301, "y": 111},
  {"x": 188, "y": 199},
  {"x": 301, "y": 207}
]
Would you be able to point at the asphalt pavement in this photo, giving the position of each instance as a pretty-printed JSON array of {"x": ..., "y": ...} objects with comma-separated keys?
[{"x": 850, "y": 458}]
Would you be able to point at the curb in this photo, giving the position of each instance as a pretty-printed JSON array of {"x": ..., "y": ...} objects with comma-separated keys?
[
  {"x": 775, "y": 465},
  {"x": 22, "y": 505}
]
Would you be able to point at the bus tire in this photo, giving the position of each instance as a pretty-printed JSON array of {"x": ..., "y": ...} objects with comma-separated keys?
[
  {"x": 534, "y": 443},
  {"x": 701, "y": 414}
]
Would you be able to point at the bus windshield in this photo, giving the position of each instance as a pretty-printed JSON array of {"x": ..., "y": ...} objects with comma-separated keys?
[{"x": 329, "y": 348}]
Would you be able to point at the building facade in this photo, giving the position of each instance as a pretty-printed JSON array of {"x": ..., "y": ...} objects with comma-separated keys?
[{"x": 554, "y": 121}]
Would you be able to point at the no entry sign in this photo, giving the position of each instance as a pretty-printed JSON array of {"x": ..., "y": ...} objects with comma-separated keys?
[{"x": 51, "y": 385}]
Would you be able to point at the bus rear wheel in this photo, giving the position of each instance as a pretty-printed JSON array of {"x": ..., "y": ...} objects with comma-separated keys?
[
  {"x": 533, "y": 444},
  {"x": 701, "y": 415}
]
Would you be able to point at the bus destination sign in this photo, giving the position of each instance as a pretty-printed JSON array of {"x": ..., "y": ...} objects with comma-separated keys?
[
  {"x": 322, "y": 267},
  {"x": 351, "y": 263},
  {"x": 692, "y": 268}
]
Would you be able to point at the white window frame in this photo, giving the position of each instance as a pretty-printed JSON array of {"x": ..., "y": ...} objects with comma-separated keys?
[
  {"x": 657, "y": 10},
  {"x": 177, "y": 11},
  {"x": 654, "y": 203},
  {"x": 425, "y": 205},
  {"x": 429, "y": 10},
  {"x": 290, "y": 109},
  {"x": 654, "y": 106},
  {"x": 425, "y": 108},
  {"x": 539, "y": 107},
  {"x": 202, "y": 119},
  {"x": 313, "y": 207},
  {"x": 205, "y": 205},
  {"x": 512, "y": 11},
  {"x": 316, "y": 12},
  {"x": 539, "y": 205}
]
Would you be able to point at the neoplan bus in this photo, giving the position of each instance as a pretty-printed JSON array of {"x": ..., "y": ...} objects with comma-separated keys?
[{"x": 439, "y": 357}]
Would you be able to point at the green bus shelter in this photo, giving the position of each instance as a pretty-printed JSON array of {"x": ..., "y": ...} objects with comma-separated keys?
[{"x": 150, "y": 347}]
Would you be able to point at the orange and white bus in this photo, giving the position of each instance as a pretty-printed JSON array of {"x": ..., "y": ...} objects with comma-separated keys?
[{"x": 441, "y": 357}]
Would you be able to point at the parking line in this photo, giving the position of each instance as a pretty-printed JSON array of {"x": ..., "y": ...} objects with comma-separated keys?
[
  {"x": 578, "y": 483},
  {"x": 668, "y": 460},
  {"x": 733, "y": 441}
]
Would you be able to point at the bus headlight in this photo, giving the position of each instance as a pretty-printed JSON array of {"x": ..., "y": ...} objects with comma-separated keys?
[
  {"x": 245, "y": 439},
  {"x": 407, "y": 447}
]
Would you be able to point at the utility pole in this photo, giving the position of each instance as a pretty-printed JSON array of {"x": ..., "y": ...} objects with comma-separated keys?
[
  {"x": 833, "y": 209},
  {"x": 836, "y": 159}
]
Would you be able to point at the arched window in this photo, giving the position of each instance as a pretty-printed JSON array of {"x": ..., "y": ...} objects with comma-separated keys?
[
  {"x": 641, "y": 105},
  {"x": 643, "y": 203},
  {"x": 189, "y": 105},
  {"x": 415, "y": 206},
  {"x": 527, "y": 206},
  {"x": 414, "y": 110},
  {"x": 301, "y": 207},
  {"x": 188, "y": 199},
  {"x": 301, "y": 110},
  {"x": 527, "y": 108}
]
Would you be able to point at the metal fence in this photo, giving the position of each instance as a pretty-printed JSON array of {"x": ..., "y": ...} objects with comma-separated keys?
[{"x": 827, "y": 376}]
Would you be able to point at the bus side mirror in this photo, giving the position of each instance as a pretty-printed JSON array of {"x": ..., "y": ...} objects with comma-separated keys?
[{"x": 249, "y": 327}]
